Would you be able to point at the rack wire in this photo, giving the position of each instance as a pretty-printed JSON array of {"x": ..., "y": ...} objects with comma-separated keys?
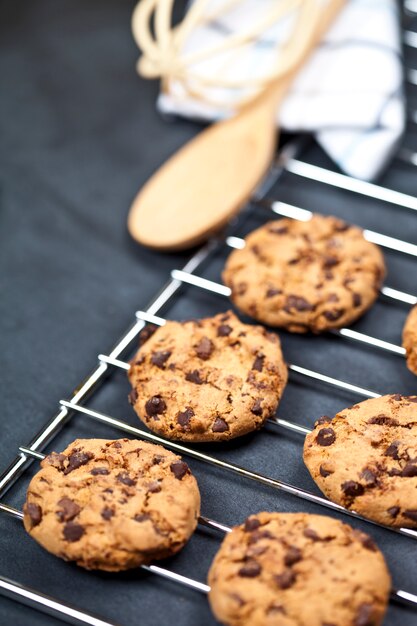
[{"x": 287, "y": 161}]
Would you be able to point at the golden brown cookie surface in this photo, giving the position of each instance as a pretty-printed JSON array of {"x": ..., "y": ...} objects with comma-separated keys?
[
  {"x": 410, "y": 339},
  {"x": 304, "y": 276},
  {"x": 365, "y": 458},
  {"x": 207, "y": 380},
  {"x": 112, "y": 505},
  {"x": 296, "y": 569}
]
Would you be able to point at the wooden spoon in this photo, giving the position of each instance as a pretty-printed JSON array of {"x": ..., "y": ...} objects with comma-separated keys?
[{"x": 198, "y": 190}]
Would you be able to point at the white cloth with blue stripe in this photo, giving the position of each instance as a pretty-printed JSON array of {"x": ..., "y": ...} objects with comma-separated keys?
[{"x": 349, "y": 94}]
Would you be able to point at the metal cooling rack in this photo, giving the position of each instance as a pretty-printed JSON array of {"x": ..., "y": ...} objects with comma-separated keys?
[{"x": 286, "y": 161}]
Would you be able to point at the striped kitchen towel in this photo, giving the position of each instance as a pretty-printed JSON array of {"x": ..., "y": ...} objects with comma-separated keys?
[{"x": 349, "y": 94}]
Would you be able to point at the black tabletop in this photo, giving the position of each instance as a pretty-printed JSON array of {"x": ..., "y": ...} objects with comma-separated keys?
[{"x": 79, "y": 136}]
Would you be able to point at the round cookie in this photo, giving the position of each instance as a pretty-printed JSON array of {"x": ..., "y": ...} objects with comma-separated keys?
[
  {"x": 295, "y": 569},
  {"x": 207, "y": 380},
  {"x": 410, "y": 339},
  {"x": 365, "y": 458},
  {"x": 112, "y": 505},
  {"x": 305, "y": 276}
]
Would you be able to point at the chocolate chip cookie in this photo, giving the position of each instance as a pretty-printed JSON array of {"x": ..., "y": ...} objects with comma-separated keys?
[
  {"x": 112, "y": 505},
  {"x": 365, "y": 458},
  {"x": 305, "y": 276},
  {"x": 295, "y": 569},
  {"x": 207, "y": 380},
  {"x": 410, "y": 340}
]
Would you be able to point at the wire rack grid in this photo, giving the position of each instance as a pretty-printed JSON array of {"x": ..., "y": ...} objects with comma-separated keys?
[{"x": 195, "y": 282}]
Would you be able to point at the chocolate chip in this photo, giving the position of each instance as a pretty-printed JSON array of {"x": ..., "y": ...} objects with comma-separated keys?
[
  {"x": 251, "y": 524},
  {"x": 369, "y": 543},
  {"x": 132, "y": 397},
  {"x": 73, "y": 531},
  {"x": 68, "y": 510},
  {"x": 224, "y": 330},
  {"x": 393, "y": 511},
  {"x": 292, "y": 556},
  {"x": 107, "y": 513},
  {"x": 412, "y": 398},
  {"x": 250, "y": 570},
  {"x": 99, "y": 471},
  {"x": 325, "y": 472},
  {"x": 341, "y": 226},
  {"x": 76, "y": 460},
  {"x": 276, "y": 608},
  {"x": 184, "y": 418},
  {"x": 394, "y": 472},
  {"x": 298, "y": 303},
  {"x": 258, "y": 362},
  {"x": 324, "y": 419},
  {"x": 333, "y": 315},
  {"x": 256, "y": 407},
  {"x": 383, "y": 420},
  {"x": 194, "y": 377},
  {"x": 257, "y": 535},
  {"x": 392, "y": 451},
  {"x": 179, "y": 469},
  {"x": 333, "y": 297},
  {"x": 396, "y": 397},
  {"x": 326, "y": 436},
  {"x": 273, "y": 292},
  {"x": 157, "y": 459},
  {"x": 241, "y": 288},
  {"x": 56, "y": 460},
  {"x": 146, "y": 333},
  {"x": 364, "y": 616},
  {"x": 220, "y": 425},
  {"x": 154, "y": 487},
  {"x": 365, "y": 540},
  {"x": 204, "y": 348},
  {"x": 357, "y": 299},
  {"x": 286, "y": 579},
  {"x": 330, "y": 261},
  {"x": 311, "y": 534},
  {"x": 142, "y": 517},
  {"x": 155, "y": 406},
  {"x": 352, "y": 489},
  {"x": 409, "y": 470},
  {"x": 411, "y": 514},
  {"x": 160, "y": 358},
  {"x": 116, "y": 444},
  {"x": 125, "y": 479},
  {"x": 279, "y": 230},
  {"x": 35, "y": 513},
  {"x": 369, "y": 476},
  {"x": 251, "y": 378}
]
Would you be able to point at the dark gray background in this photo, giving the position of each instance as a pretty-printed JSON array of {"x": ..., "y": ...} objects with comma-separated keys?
[{"x": 79, "y": 136}]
